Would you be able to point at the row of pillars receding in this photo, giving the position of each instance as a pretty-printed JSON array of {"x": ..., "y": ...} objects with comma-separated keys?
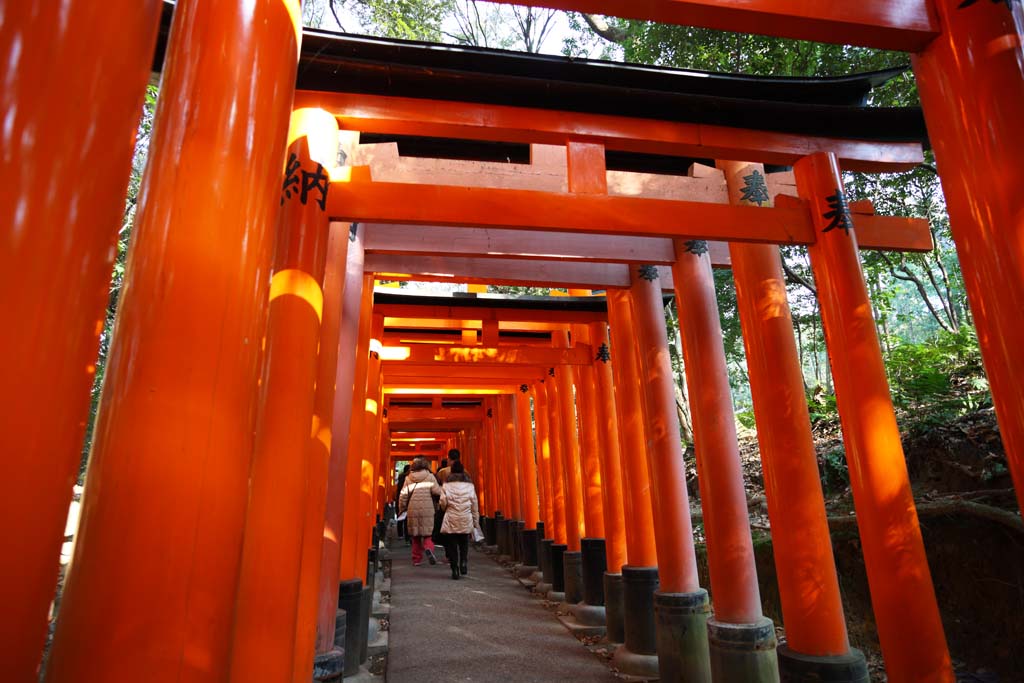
[
  {"x": 185, "y": 571},
  {"x": 591, "y": 499}
]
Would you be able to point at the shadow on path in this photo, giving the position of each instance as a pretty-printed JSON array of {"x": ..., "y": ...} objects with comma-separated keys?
[{"x": 483, "y": 627}]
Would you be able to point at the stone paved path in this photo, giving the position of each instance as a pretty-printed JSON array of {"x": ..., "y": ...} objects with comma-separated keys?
[{"x": 483, "y": 627}]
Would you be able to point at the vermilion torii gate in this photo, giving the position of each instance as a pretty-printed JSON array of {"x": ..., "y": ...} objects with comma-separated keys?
[{"x": 215, "y": 519}]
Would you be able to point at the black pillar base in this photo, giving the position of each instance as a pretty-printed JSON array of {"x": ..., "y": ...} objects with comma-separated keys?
[
  {"x": 517, "y": 540},
  {"x": 638, "y": 654},
  {"x": 557, "y": 592},
  {"x": 547, "y": 578},
  {"x": 330, "y": 665},
  {"x": 800, "y": 668},
  {"x": 614, "y": 609},
  {"x": 743, "y": 652},
  {"x": 682, "y": 634},
  {"x": 503, "y": 537},
  {"x": 594, "y": 565},
  {"x": 350, "y": 601},
  {"x": 572, "y": 564},
  {"x": 530, "y": 557},
  {"x": 364, "y": 624}
]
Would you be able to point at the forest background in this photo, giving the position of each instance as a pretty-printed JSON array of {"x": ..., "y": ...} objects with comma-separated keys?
[{"x": 919, "y": 302}]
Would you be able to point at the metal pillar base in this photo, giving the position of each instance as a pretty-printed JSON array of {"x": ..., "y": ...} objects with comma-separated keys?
[
  {"x": 350, "y": 602},
  {"x": 795, "y": 667},
  {"x": 558, "y": 567},
  {"x": 614, "y": 609},
  {"x": 329, "y": 666},
  {"x": 572, "y": 568},
  {"x": 364, "y": 623},
  {"x": 638, "y": 655},
  {"x": 743, "y": 652},
  {"x": 682, "y": 636}
]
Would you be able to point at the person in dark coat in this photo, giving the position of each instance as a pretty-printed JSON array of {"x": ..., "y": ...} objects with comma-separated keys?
[{"x": 398, "y": 492}]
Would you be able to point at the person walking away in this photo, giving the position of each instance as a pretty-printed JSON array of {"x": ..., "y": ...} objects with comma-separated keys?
[
  {"x": 453, "y": 457},
  {"x": 461, "y": 516},
  {"x": 398, "y": 492},
  {"x": 416, "y": 500}
]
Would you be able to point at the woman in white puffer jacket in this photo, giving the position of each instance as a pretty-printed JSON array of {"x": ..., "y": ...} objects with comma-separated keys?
[{"x": 461, "y": 516}]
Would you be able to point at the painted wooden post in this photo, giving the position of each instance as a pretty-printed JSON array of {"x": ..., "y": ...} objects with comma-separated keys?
[
  {"x": 58, "y": 231},
  {"x": 564, "y": 378},
  {"x": 556, "y": 462},
  {"x": 590, "y": 443},
  {"x": 909, "y": 627},
  {"x": 742, "y": 640},
  {"x": 527, "y": 462},
  {"x": 164, "y": 508},
  {"x": 540, "y": 416},
  {"x": 971, "y": 80},
  {"x": 349, "y": 567},
  {"x": 808, "y": 585},
  {"x": 611, "y": 471},
  {"x": 673, "y": 533},
  {"x": 347, "y": 354},
  {"x": 266, "y": 609},
  {"x": 640, "y": 546}
]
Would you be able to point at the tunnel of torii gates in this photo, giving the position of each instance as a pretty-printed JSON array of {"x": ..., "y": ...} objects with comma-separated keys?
[{"x": 255, "y": 382}]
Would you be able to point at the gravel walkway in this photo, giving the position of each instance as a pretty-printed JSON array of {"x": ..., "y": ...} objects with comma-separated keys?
[{"x": 483, "y": 627}]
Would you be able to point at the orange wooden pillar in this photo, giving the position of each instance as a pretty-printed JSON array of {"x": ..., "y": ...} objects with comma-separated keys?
[
  {"x": 677, "y": 563},
  {"x": 164, "y": 509},
  {"x": 808, "y": 585},
  {"x": 971, "y": 80},
  {"x": 680, "y": 604},
  {"x": 640, "y": 546},
  {"x": 555, "y": 462},
  {"x": 569, "y": 439},
  {"x": 909, "y": 627},
  {"x": 349, "y": 568},
  {"x": 639, "y": 578},
  {"x": 737, "y": 598},
  {"x": 540, "y": 416},
  {"x": 611, "y": 471},
  {"x": 527, "y": 461},
  {"x": 592, "y": 480},
  {"x": 369, "y": 452},
  {"x": 507, "y": 402},
  {"x": 266, "y": 609},
  {"x": 347, "y": 353},
  {"x": 55, "y": 262}
]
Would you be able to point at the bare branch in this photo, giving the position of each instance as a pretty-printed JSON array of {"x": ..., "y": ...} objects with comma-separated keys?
[
  {"x": 796, "y": 278},
  {"x": 598, "y": 25}
]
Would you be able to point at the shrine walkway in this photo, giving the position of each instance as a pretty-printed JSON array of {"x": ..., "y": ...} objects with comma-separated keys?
[{"x": 484, "y": 627}]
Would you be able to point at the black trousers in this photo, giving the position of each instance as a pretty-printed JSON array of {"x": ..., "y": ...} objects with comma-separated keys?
[{"x": 456, "y": 547}]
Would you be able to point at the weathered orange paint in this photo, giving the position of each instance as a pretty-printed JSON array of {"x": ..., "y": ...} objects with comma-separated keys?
[
  {"x": 266, "y": 607},
  {"x": 909, "y": 627},
  {"x": 570, "y": 446},
  {"x": 972, "y": 87},
  {"x": 529, "y": 480},
  {"x": 592, "y": 479},
  {"x": 58, "y": 236},
  {"x": 348, "y": 567},
  {"x": 164, "y": 507},
  {"x": 640, "y": 547},
  {"x": 812, "y": 607},
  {"x": 673, "y": 533},
  {"x": 723, "y": 499}
]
